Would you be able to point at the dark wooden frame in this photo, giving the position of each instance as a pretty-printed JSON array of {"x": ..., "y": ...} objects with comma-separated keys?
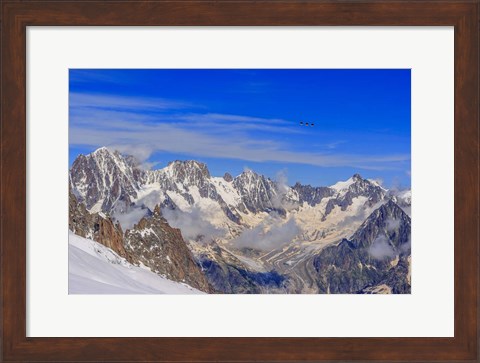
[{"x": 17, "y": 15}]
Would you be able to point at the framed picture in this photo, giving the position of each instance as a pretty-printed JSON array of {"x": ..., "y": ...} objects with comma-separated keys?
[
  {"x": 215, "y": 168},
  {"x": 193, "y": 179}
]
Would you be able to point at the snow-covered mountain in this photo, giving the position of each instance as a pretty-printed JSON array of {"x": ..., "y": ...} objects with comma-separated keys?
[
  {"x": 152, "y": 243},
  {"x": 257, "y": 193},
  {"x": 161, "y": 248},
  {"x": 252, "y": 233},
  {"x": 96, "y": 269},
  {"x": 104, "y": 178},
  {"x": 109, "y": 182},
  {"x": 95, "y": 226},
  {"x": 376, "y": 257},
  {"x": 355, "y": 187}
]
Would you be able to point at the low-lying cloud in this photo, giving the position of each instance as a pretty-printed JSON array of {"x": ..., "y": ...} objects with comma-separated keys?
[
  {"x": 129, "y": 219},
  {"x": 392, "y": 224},
  {"x": 358, "y": 218},
  {"x": 380, "y": 249},
  {"x": 193, "y": 224},
  {"x": 140, "y": 152},
  {"x": 281, "y": 200},
  {"x": 151, "y": 199},
  {"x": 269, "y": 235}
]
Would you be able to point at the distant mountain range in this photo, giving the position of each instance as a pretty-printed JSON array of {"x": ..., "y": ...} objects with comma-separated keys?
[{"x": 244, "y": 234}]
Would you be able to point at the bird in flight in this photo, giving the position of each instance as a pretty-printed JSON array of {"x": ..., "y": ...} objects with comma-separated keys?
[{"x": 311, "y": 124}]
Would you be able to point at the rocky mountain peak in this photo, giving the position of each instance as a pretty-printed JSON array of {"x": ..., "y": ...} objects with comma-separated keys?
[
  {"x": 248, "y": 173},
  {"x": 189, "y": 172},
  {"x": 179, "y": 165},
  {"x": 101, "y": 151},
  {"x": 355, "y": 179},
  {"x": 311, "y": 195},
  {"x": 228, "y": 177},
  {"x": 247, "y": 177},
  {"x": 97, "y": 227},
  {"x": 157, "y": 211},
  {"x": 389, "y": 220},
  {"x": 344, "y": 192},
  {"x": 388, "y": 210},
  {"x": 356, "y": 186},
  {"x": 110, "y": 182},
  {"x": 258, "y": 193},
  {"x": 251, "y": 179},
  {"x": 104, "y": 178},
  {"x": 376, "y": 255},
  {"x": 163, "y": 249}
]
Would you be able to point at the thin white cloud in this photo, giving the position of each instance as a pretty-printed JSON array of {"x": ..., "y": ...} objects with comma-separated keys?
[
  {"x": 86, "y": 100},
  {"x": 233, "y": 118},
  {"x": 335, "y": 144},
  {"x": 134, "y": 125},
  {"x": 168, "y": 138},
  {"x": 108, "y": 116}
]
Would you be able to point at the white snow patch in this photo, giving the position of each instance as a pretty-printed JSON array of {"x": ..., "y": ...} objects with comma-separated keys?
[
  {"x": 147, "y": 232},
  {"x": 97, "y": 207},
  {"x": 227, "y": 191},
  {"x": 96, "y": 269},
  {"x": 179, "y": 200},
  {"x": 342, "y": 185}
]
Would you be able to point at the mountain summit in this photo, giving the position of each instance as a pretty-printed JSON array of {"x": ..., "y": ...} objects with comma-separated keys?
[
  {"x": 103, "y": 178},
  {"x": 244, "y": 234},
  {"x": 375, "y": 258},
  {"x": 110, "y": 182}
]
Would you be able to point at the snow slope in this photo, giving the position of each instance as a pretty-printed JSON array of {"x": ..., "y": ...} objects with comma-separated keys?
[
  {"x": 342, "y": 185},
  {"x": 96, "y": 269}
]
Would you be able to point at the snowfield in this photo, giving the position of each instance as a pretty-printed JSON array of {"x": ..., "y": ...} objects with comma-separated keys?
[{"x": 96, "y": 269}]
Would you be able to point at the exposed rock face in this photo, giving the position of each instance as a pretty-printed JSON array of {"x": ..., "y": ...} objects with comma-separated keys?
[
  {"x": 183, "y": 176},
  {"x": 312, "y": 195},
  {"x": 188, "y": 173},
  {"x": 390, "y": 221},
  {"x": 229, "y": 275},
  {"x": 258, "y": 193},
  {"x": 109, "y": 235},
  {"x": 110, "y": 182},
  {"x": 365, "y": 187},
  {"x": 161, "y": 248},
  {"x": 114, "y": 185},
  {"x": 228, "y": 177},
  {"x": 232, "y": 279},
  {"x": 104, "y": 178},
  {"x": 377, "y": 254},
  {"x": 355, "y": 187},
  {"x": 403, "y": 198},
  {"x": 94, "y": 226},
  {"x": 152, "y": 242}
]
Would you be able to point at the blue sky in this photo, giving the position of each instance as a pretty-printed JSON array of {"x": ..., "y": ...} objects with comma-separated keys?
[{"x": 236, "y": 119}]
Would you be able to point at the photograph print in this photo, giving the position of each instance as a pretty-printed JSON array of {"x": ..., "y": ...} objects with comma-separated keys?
[{"x": 239, "y": 181}]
